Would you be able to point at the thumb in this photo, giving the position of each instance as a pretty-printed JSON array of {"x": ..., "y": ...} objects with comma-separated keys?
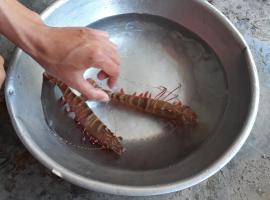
[
  {"x": 90, "y": 92},
  {"x": 2, "y": 71}
]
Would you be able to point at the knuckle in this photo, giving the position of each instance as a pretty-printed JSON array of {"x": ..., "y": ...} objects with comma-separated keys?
[
  {"x": 84, "y": 34},
  {"x": 91, "y": 51},
  {"x": 83, "y": 31},
  {"x": 98, "y": 52}
]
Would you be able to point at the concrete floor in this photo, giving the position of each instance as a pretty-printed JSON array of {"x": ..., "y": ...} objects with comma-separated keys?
[{"x": 247, "y": 176}]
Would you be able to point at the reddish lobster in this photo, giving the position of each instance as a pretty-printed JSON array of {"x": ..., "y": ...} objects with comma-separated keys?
[
  {"x": 95, "y": 129},
  {"x": 176, "y": 112}
]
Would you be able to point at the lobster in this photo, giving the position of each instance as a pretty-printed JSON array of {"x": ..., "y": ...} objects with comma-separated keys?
[
  {"x": 95, "y": 129},
  {"x": 177, "y": 113}
]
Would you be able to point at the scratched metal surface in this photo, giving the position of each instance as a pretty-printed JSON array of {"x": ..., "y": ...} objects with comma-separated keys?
[{"x": 245, "y": 177}]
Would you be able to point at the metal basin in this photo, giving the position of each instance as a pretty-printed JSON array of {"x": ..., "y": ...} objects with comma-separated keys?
[{"x": 162, "y": 43}]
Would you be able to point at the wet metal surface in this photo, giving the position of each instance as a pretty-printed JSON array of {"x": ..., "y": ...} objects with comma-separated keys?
[{"x": 245, "y": 177}]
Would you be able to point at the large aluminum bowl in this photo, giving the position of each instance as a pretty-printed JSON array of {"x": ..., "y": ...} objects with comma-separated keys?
[{"x": 161, "y": 43}]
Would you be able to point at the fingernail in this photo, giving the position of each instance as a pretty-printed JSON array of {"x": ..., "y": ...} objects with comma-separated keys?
[{"x": 105, "y": 99}]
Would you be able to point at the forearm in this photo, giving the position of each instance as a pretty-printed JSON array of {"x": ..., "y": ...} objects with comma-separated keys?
[
  {"x": 63, "y": 52},
  {"x": 20, "y": 25}
]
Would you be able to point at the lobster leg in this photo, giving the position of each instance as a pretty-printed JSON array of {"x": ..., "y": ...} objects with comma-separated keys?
[
  {"x": 62, "y": 101},
  {"x": 146, "y": 94},
  {"x": 122, "y": 91},
  {"x": 67, "y": 109},
  {"x": 178, "y": 103}
]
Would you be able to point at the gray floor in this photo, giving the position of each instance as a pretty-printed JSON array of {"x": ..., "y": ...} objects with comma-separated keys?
[{"x": 247, "y": 176}]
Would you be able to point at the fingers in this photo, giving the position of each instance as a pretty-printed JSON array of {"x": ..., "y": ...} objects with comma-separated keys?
[
  {"x": 110, "y": 69},
  {"x": 2, "y": 71},
  {"x": 102, "y": 75},
  {"x": 106, "y": 58},
  {"x": 85, "y": 88},
  {"x": 112, "y": 81},
  {"x": 101, "y": 59}
]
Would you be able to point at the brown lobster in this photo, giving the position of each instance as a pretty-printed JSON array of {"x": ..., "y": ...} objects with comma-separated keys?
[
  {"x": 177, "y": 113},
  {"x": 95, "y": 129}
]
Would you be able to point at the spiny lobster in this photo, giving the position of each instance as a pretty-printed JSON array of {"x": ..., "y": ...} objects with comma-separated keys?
[
  {"x": 95, "y": 129},
  {"x": 177, "y": 113}
]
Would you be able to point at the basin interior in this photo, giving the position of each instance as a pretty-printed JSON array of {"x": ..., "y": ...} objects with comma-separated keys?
[{"x": 155, "y": 52}]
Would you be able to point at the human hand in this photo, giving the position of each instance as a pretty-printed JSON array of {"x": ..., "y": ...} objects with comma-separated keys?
[
  {"x": 2, "y": 71},
  {"x": 67, "y": 52}
]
